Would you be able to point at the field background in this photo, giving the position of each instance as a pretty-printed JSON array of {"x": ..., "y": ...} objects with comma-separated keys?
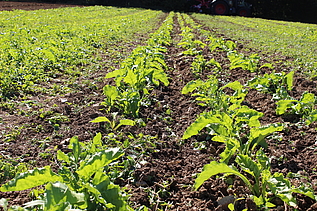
[
  {"x": 163, "y": 166},
  {"x": 24, "y": 5}
]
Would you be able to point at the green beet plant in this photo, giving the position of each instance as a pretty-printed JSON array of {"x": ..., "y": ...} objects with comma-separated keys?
[
  {"x": 162, "y": 36},
  {"x": 81, "y": 183},
  {"x": 247, "y": 63},
  {"x": 227, "y": 118},
  {"x": 139, "y": 73},
  {"x": 304, "y": 107},
  {"x": 278, "y": 84},
  {"x": 220, "y": 44},
  {"x": 188, "y": 42},
  {"x": 238, "y": 127},
  {"x": 274, "y": 83},
  {"x": 115, "y": 123},
  {"x": 254, "y": 171},
  {"x": 207, "y": 93},
  {"x": 200, "y": 64},
  {"x": 228, "y": 121}
]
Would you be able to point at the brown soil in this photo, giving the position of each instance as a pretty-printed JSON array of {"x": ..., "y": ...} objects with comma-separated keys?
[
  {"x": 21, "y": 5},
  {"x": 165, "y": 180}
]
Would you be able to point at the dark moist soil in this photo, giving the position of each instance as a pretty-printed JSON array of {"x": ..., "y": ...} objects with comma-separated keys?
[{"x": 165, "y": 181}]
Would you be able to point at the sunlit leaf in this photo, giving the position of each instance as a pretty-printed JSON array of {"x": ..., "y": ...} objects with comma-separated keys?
[
  {"x": 97, "y": 161},
  {"x": 215, "y": 168},
  {"x": 30, "y": 179},
  {"x": 101, "y": 119},
  {"x": 289, "y": 80}
]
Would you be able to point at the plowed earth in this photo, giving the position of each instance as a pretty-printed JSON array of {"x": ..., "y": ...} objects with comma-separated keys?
[
  {"x": 12, "y": 5},
  {"x": 165, "y": 180}
]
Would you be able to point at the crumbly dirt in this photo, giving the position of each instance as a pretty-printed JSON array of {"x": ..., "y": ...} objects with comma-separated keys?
[
  {"x": 165, "y": 180},
  {"x": 20, "y": 5}
]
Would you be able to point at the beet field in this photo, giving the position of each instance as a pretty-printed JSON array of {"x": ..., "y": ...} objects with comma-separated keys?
[{"x": 106, "y": 108}]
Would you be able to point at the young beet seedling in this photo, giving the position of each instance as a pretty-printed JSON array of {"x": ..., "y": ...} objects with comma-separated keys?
[
  {"x": 276, "y": 84},
  {"x": 239, "y": 60},
  {"x": 305, "y": 107},
  {"x": 114, "y": 124},
  {"x": 80, "y": 183},
  {"x": 263, "y": 184}
]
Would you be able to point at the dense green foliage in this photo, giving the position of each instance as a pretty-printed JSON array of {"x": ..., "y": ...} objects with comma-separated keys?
[
  {"x": 276, "y": 9},
  {"x": 143, "y": 70},
  {"x": 295, "y": 40},
  {"x": 236, "y": 125},
  {"x": 37, "y": 45},
  {"x": 81, "y": 181}
]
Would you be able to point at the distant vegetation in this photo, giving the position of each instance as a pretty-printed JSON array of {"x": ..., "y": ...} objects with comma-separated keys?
[
  {"x": 290, "y": 10},
  {"x": 273, "y": 9}
]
